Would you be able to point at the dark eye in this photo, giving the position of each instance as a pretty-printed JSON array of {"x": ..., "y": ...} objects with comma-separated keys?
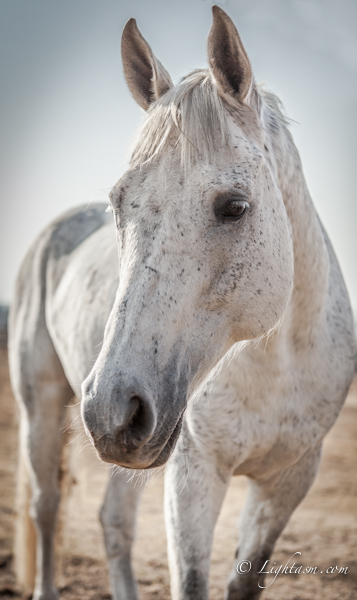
[{"x": 233, "y": 210}]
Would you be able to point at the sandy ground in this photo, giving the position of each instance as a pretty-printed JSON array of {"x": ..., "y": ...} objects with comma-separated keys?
[{"x": 323, "y": 528}]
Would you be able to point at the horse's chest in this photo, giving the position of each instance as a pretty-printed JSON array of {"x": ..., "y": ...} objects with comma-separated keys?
[{"x": 255, "y": 428}]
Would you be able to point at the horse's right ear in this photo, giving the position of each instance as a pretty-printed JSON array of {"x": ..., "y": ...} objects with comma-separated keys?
[
  {"x": 147, "y": 79},
  {"x": 227, "y": 58}
]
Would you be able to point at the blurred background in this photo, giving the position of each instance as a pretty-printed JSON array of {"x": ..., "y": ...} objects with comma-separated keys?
[{"x": 67, "y": 116}]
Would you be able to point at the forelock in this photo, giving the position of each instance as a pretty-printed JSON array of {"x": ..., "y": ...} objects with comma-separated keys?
[
  {"x": 190, "y": 116},
  {"x": 193, "y": 118}
]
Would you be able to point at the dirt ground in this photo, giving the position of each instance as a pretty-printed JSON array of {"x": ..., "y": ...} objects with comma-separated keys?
[{"x": 323, "y": 528}]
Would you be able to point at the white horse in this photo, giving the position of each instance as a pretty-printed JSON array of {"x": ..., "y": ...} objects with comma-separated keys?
[{"x": 219, "y": 244}]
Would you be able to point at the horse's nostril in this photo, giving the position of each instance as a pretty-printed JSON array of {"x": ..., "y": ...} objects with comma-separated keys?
[
  {"x": 136, "y": 427},
  {"x": 137, "y": 420}
]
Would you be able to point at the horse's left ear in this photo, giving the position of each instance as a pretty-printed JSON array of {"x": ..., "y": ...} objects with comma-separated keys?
[
  {"x": 147, "y": 79},
  {"x": 227, "y": 58}
]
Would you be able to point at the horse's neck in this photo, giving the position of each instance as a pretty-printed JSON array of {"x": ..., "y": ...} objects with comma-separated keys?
[{"x": 306, "y": 309}]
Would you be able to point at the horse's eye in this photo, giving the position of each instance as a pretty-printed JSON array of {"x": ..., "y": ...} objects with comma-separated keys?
[{"x": 233, "y": 210}]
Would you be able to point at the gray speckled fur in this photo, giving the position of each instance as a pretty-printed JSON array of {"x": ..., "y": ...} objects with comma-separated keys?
[{"x": 176, "y": 309}]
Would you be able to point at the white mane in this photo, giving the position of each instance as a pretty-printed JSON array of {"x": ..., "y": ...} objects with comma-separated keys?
[{"x": 193, "y": 116}]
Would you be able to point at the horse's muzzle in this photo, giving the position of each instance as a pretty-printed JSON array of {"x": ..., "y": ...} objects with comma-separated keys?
[{"x": 125, "y": 432}]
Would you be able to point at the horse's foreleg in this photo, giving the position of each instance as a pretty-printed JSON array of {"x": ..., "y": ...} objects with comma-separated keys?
[
  {"x": 268, "y": 508},
  {"x": 192, "y": 505},
  {"x": 118, "y": 515}
]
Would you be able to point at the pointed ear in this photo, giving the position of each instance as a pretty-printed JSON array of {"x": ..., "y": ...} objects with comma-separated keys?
[
  {"x": 227, "y": 58},
  {"x": 146, "y": 77}
]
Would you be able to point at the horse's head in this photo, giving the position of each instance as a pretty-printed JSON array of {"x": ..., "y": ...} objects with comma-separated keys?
[{"x": 206, "y": 256}]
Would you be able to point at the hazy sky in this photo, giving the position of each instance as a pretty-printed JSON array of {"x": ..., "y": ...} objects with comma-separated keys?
[{"x": 66, "y": 114}]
